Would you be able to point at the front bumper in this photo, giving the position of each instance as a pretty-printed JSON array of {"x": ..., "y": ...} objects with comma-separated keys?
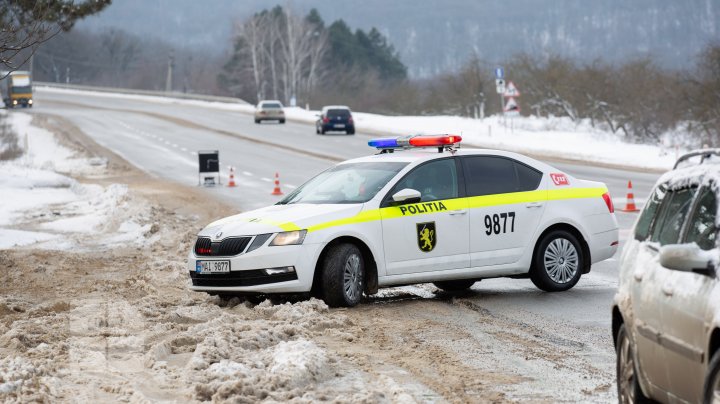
[{"x": 247, "y": 271}]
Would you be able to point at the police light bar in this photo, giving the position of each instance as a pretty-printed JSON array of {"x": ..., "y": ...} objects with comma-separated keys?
[{"x": 415, "y": 141}]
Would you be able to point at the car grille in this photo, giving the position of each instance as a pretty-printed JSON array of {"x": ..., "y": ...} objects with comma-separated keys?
[
  {"x": 204, "y": 247},
  {"x": 239, "y": 278}
]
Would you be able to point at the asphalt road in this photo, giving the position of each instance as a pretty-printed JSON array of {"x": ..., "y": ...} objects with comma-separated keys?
[{"x": 163, "y": 138}]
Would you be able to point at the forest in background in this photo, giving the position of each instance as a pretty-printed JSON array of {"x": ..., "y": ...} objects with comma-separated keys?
[{"x": 279, "y": 54}]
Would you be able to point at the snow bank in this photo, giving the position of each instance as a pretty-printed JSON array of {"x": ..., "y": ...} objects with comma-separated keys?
[{"x": 44, "y": 205}]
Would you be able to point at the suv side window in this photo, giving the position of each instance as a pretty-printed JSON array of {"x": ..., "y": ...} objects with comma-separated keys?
[
  {"x": 436, "y": 180},
  {"x": 488, "y": 175},
  {"x": 701, "y": 228},
  {"x": 649, "y": 214},
  {"x": 673, "y": 212}
]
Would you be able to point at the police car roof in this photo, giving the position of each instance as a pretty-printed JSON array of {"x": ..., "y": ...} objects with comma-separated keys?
[{"x": 425, "y": 154}]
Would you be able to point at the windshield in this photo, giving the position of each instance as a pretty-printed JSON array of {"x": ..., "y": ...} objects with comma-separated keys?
[
  {"x": 21, "y": 90},
  {"x": 346, "y": 183}
]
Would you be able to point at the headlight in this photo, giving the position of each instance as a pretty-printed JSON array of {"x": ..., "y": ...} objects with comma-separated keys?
[{"x": 289, "y": 238}]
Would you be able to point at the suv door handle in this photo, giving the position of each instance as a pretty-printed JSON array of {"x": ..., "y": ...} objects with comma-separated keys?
[
  {"x": 533, "y": 205},
  {"x": 668, "y": 290},
  {"x": 457, "y": 212}
]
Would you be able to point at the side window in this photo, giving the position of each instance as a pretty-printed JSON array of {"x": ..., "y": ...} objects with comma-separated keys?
[
  {"x": 435, "y": 180},
  {"x": 642, "y": 228},
  {"x": 702, "y": 229},
  {"x": 673, "y": 212},
  {"x": 488, "y": 175},
  {"x": 528, "y": 178}
]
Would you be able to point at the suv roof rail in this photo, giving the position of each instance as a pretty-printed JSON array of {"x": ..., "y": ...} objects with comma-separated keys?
[{"x": 704, "y": 153}]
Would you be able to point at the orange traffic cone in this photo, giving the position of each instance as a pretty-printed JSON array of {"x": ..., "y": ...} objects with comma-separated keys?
[
  {"x": 277, "y": 190},
  {"x": 630, "y": 204},
  {"x": 231, "y": 183}
]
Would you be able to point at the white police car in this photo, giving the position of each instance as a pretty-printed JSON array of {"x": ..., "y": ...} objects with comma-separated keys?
[{"x": 407, "y": 215}]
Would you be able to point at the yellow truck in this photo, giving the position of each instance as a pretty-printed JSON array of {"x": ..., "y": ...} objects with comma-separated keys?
[{"x": 18, "y": 90}]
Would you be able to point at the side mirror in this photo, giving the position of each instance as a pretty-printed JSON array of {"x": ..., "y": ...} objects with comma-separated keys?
[
  {"x": 688, "y": 258},
  {"x": 406, "y": 196}
]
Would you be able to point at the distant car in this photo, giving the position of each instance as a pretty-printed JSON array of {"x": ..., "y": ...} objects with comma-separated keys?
[
  {"x": 410, "y": 214},
  {"x": 666, "y": 313},
  {"x": 269, "y": 111},
  {"x": 335, "y": 118}
]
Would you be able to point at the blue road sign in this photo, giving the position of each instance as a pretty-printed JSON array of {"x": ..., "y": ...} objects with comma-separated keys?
[{"x": 499, "y": 73}]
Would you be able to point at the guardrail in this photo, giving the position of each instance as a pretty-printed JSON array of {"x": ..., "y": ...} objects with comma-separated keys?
[{"x": 174, "y": 94}]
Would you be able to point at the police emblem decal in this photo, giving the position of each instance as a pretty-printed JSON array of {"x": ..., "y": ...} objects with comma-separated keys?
[{"x": 426, "y": 236}]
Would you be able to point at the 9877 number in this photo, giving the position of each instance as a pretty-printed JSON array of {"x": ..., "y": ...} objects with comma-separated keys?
[{"x": 499, "y": 223}]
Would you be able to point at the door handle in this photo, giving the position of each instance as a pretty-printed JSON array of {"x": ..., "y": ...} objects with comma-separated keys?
[
  {"x": 533, "y": 205},
  {"x": 638, "y": 275},
  {"x": 457, "y": 212},
  {"x": 668, "y": 290}
]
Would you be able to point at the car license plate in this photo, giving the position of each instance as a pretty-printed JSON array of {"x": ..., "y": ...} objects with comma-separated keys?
[
  {"x": 212, "y": 267},
  {"x": 339, "y": 125}
]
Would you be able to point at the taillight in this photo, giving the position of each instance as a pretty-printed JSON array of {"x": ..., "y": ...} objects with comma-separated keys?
[
  {"x": 326, "y": 120},
  {"x": 350, "y": 120},
  {"x": 609, "y": 202}
]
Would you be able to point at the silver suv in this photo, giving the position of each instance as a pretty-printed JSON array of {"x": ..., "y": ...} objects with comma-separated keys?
[{"x": 666, "y": 313}]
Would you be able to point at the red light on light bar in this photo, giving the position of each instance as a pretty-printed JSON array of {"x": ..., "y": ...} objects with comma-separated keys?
[{"x": 421, "y": 141}]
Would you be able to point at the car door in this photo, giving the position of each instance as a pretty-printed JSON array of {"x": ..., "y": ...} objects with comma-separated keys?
[
  {"x": 670, "y": 210},
  {"x": 506, "y": 201},
  {"x": 683, "y": 304},
  {"x": 431, "y": 235}
]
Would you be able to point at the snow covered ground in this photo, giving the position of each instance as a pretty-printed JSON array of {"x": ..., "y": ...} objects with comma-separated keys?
[
  {"x": 45, "y": 204},
  {"x": 548, "y": 137}
]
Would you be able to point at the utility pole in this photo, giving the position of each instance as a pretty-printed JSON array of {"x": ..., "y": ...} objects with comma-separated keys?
[{"x": 171, "y": 65}]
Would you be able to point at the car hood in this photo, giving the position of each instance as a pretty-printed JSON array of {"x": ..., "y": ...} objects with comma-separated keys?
[{"x": 278, "y": 218}]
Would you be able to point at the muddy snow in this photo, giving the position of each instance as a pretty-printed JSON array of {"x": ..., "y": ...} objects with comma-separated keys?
[{"x": 94, "y": 307}]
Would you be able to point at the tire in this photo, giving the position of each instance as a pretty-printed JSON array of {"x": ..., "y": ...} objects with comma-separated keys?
[
  {"x": 628, "y": 388},
  {"x": 711, "y": 391},
  {"x": 317, "y": 131},
  {"x": 322, "y": 131},
  {"x": 565, "y": 261},
  {"x": 257, "y": 121},
  {"x": 343, "y": 272},
  {"x": 282, "y": 121},
  {"x": 351, "y": 132},
  {"x": 455, "y": 285}
]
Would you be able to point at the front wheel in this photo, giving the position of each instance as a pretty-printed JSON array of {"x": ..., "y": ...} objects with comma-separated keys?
[
  {"x": 712, "y": 380},
  {"x": 558, "y": 262},
  {"x": 343, "y": 273},
  {"x": 629, "y": 391}
]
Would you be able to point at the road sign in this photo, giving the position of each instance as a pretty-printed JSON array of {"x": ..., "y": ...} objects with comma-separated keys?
[
  {"x": 208, "y": 167},
  {"x": 499, "y": 73},
  {"x": 511, "y": 90},
  {"x": 500, "y": 86},
  {"x": 511, "y": 107}
]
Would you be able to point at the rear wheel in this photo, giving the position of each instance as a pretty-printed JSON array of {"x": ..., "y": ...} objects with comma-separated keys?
[
  {"x": 351, "y": 131},
  {"x": 282, "y": 121},
  {"x": 456, "y": 285},
  {"x": 558, "y": 262},
  {"x": 343, "y": 276},
  {"x": 629, "y": 390},
  {"x": 712, "y": 380},
  {"x": 257, "y": 121}
]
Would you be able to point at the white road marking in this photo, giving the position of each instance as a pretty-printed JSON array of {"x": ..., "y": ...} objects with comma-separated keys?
[
  {"x": 193, "y": 153},
  {"x": 183, "y": 149},
  {"x": 266, "y": 179},
  {"x": 174, "y": 145},
  {"x": 290, "y": 186},
  {"x": 249, "y": 174}
]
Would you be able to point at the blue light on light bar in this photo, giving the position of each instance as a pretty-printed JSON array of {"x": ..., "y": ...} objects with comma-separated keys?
[{"x": 384, "y": 143}]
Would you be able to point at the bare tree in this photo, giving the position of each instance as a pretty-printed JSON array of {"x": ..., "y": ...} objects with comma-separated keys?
[{"x": 25, "y": 24}]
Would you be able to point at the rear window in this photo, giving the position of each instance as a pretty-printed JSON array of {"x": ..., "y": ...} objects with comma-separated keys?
[
  {"x": 338, "y": 112},
  {"x": 488, "y": 175},
  {"x": 270, "y": 105}
]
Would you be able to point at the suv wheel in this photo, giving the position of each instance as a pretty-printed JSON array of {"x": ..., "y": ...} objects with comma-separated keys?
[
  {"x": 558, "y": 262},
  {"x": 629, "y": 390},
  {"x": 343, "y": 273},
  {"x": 712, "y": 380}
]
